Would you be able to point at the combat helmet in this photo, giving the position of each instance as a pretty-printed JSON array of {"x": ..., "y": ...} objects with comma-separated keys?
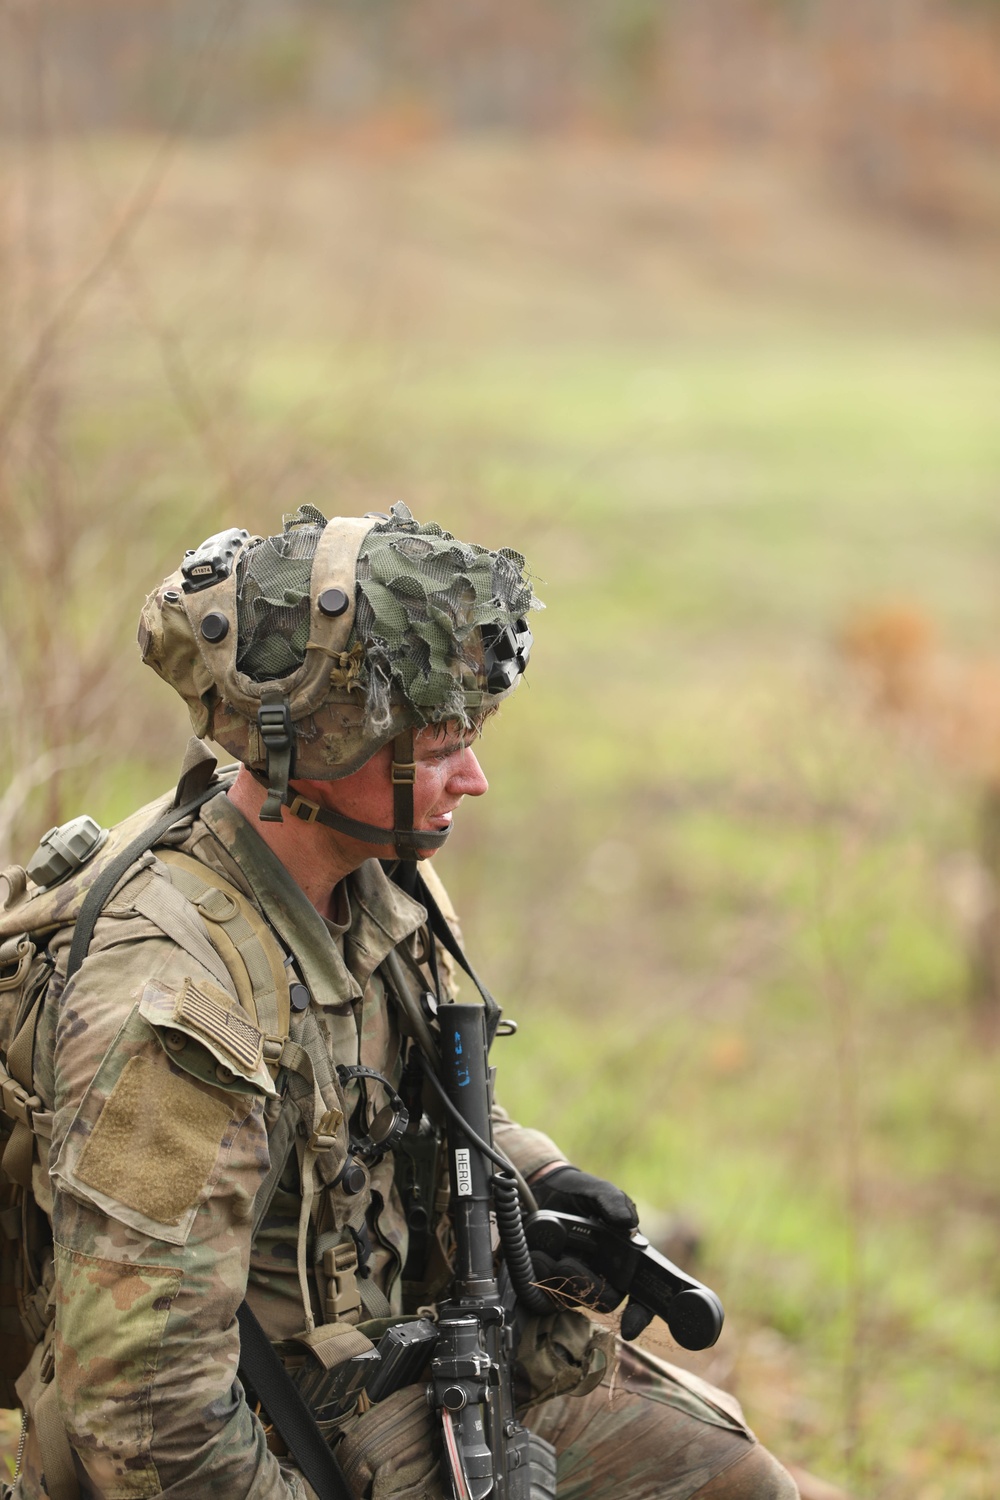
[{"x": 303, "y": 654}]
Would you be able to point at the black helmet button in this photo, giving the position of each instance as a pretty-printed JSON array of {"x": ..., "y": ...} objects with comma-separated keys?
[
  {"x": 215, "y": 627},
  {"x": 333, "y": 602}
]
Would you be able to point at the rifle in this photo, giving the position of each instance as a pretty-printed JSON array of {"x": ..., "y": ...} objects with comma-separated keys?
[{"x": 488, "y": 1452}]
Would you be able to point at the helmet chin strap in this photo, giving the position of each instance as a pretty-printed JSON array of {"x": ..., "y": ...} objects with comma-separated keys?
[
  {"x": 404, "y": 776},
  {"x": 405, "y": 839}
]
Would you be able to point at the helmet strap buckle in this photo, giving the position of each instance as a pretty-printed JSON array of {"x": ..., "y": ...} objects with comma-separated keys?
[
  {"x": 300, "y": 807},
  {"x": 274, "y": 721},
  {"x": 404, "y": 776}
]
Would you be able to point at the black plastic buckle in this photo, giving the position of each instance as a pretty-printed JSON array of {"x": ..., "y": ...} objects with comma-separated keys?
[{"x": 274, "y": 720}]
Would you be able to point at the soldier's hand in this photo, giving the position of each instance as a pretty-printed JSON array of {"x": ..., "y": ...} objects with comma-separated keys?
[
  {"x": 572, "y": 1283},
  {"x": 568, "y": 1190}
]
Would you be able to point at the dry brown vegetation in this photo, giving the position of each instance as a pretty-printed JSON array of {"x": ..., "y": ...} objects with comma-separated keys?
[
  {"x": 950, "y": 703},
  {"x": 897, "y": 101}
]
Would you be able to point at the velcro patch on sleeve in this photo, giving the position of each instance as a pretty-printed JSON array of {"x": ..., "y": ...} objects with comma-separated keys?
[
  {"x": 155, "y": 1142},
  {"x": 209, "y": 1012}
]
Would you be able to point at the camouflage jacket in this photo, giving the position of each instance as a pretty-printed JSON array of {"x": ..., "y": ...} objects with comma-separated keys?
[{"x": 157, "y": 1154}]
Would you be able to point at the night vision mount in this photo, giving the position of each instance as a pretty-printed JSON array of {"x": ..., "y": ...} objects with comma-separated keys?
[
  {"x": 213, "y": 561},
  {"x": 506, "y": 650}
]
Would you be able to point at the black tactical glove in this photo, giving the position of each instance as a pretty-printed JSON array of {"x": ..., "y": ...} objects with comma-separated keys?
[{"x": 568, "y": 1190}]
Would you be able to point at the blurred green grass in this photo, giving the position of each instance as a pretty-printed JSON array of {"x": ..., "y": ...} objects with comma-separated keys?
[{"x": 715, "y": 892}]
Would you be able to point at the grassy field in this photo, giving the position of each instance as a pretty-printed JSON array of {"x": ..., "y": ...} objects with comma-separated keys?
[{"x": 718, "y": 413}]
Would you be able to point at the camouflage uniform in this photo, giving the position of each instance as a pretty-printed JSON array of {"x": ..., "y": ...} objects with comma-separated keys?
[{"x": 154, "y": 1172}]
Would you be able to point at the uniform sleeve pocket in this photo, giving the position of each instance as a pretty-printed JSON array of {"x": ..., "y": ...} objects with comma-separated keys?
[
  {"x": 149, "y": 1143},
  {"x": 155, "y": 1141}
]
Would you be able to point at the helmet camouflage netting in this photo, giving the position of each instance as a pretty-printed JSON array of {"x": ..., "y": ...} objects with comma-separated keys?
[
  {"x": 422, "y": 600},
  {"x": 272, "y": 597},
  {"x": 420, "y": 629}
]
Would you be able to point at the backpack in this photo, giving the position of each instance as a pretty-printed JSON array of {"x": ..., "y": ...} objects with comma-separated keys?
[{"x": 31, "y": 917}]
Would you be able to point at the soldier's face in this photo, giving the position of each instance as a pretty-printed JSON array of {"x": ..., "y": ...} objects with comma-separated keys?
[{"x": 447, "y": 771}]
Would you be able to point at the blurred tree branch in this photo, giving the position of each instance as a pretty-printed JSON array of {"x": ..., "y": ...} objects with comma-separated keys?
[{"x": 62, "y": 316}]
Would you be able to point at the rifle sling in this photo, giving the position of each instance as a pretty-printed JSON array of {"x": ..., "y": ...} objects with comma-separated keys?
[
  {"x": 261, "y": 1368},
  {"x": 438, "y": 923}
]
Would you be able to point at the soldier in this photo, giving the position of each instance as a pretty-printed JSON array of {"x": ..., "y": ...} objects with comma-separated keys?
[{"x": 217, "y": 1083}]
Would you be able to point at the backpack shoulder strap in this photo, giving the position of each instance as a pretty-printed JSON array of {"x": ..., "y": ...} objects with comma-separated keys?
[
  {"x": 243, "y": 940},
  {"x": 19, "y": 1099},
  {"x": 119, "y": 866}
]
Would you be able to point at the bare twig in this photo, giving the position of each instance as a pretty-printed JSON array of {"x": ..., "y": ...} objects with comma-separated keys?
[
  {"x": 135, "y": 211},
  {"x": 34, "y": 774}
]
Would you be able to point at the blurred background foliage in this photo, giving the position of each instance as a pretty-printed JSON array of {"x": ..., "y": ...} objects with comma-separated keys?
[{"x": 697, "y": 304}]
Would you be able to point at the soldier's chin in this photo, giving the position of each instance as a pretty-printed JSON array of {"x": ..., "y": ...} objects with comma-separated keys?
[{"x": 429, "y": 852}]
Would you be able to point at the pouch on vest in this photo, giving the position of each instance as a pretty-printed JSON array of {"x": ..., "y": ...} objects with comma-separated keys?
[{"x": 564, "y": 1354}]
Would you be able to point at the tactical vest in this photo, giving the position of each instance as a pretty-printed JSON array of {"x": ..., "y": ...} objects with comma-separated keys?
[
  {"x": 138, "y": 866},
  {"x": 238, "y": 1043}
]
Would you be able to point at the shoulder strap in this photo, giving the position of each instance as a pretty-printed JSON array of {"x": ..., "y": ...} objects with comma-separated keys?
[
  {"x": 263, "y": 1370},
  {"x": 438, "y": 923},
  {"x": 119, "y": 866},
  {"x": 242, "y": 938},
  {"x": 19, "y": 1098}
]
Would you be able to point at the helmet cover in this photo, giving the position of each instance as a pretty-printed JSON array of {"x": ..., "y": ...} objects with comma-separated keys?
[{"x": 362, "y": 627}]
